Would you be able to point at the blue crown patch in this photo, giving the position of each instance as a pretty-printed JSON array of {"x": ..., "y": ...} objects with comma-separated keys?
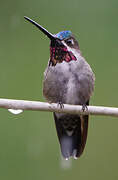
[{"x": 63, "y": 34}]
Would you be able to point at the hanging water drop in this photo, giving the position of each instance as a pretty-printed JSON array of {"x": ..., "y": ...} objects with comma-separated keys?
[{"x": 15, "y": 111}]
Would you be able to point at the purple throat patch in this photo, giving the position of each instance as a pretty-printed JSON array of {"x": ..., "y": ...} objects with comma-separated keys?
[{"x": 58, "y": 55}]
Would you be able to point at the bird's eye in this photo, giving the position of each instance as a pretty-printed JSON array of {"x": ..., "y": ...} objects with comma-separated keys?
[{"x": 69, "y": 42}]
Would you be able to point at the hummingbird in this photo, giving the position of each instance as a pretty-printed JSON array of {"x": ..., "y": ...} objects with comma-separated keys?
[{"x": 68, "y": 79}]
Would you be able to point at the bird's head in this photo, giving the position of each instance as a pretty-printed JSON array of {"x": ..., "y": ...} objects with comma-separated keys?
[{"x": 62, "y": 45}]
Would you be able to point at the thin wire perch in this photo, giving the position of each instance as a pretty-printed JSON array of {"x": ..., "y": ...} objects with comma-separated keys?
[{"x": 53, "y": 107}]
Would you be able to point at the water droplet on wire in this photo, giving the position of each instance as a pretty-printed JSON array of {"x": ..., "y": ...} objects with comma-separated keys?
[{"x": 15, "y": 111}]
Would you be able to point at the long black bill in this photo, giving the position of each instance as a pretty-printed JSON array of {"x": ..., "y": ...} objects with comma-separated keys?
[{"x": 48, "y": 34}]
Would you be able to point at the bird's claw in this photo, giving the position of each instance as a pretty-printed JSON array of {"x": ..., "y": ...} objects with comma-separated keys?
[
  {"x": 84, "y": 107},
  {"x": 60, "y": 104}
]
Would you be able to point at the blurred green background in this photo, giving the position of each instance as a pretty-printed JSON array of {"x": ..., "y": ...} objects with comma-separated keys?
[{"x": 29, "y": 148}]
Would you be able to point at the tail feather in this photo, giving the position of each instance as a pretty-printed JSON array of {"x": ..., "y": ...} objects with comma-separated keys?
[{"x": 72, "y": 133}]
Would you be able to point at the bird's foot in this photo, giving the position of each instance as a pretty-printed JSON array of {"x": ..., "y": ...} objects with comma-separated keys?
[
  {"x": 84, "y": 107},
  {"x": 60, "y": 105}
]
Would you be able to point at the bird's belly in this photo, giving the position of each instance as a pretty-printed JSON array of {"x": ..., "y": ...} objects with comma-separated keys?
[
  {"x": 61, "y": 89},
  {"x": 63, "y": 84}
]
